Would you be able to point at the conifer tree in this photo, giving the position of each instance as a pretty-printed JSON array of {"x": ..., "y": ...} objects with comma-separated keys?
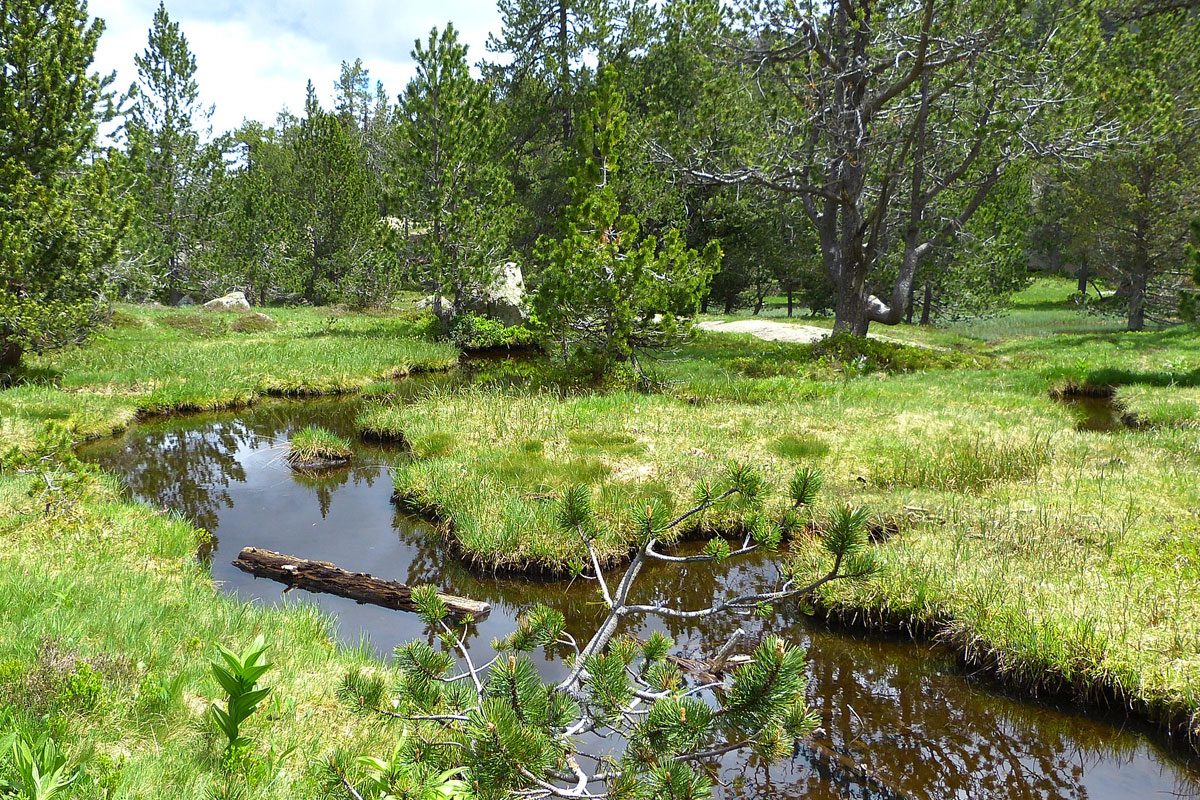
[
  {"x": 256, "y": 246},
  {"x": 170, "y": 166},
  {"x": 606, "y": 289},
  {"x": 502, "y": 731},
  {"x": 339, "y": 243},
  {"x": 449, "y": 185},
  {"x": 59, "y": 221},
  {"x": 1189, "y": 300}
]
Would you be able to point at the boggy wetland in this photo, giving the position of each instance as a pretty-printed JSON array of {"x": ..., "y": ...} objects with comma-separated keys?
[{"x": 899, "y": 718}]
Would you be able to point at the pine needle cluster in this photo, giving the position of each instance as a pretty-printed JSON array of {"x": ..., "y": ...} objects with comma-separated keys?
[{"x": 498, "y": 729}]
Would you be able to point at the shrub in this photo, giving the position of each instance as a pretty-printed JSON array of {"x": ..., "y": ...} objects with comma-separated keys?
[{"x": 474, "y": 332}]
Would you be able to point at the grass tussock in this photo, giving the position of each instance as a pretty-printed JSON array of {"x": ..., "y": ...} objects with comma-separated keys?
[
  {"x": 195, "y": 323},
  {"x": 963, "y": 465},
  {"x": 252, "y": 323},
  {"x": 317, "y": 446}
]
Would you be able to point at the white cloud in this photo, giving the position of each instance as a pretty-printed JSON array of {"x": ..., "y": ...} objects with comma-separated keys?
[{"x": 255, "y": 58}]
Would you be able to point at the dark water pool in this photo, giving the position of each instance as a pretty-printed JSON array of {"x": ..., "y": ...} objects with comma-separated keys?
[{"x": 904, "y": 711}]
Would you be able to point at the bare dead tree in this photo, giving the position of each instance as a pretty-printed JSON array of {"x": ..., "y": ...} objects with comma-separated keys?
[{"x": 892, "y": 122}]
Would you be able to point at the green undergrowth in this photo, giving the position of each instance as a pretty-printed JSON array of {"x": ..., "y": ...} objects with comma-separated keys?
[
  {"x": 721, "y": 366},
  {"x": 474, "y": 333},
  {"x": 1036, "y": 547},
  {"x": 162, "y": 360},
  {"x": 110, "y": 619}
]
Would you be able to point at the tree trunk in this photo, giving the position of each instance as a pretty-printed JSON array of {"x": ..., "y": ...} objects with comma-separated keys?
[
  {"x": 1082, "y": 274},
  {"x": 789, "y": 299},
  {"x": 908, "y": 308},
  {"x": 1139, "y": 278},
  {"x": 1137, "y": 301},
  {"x": 704, "y": 304},
  {"x": 565, "y": 75},
  {"x": 728, "y": 305},
  {"x": 927, "y": 304},
  {"x": 10, "y": 354},
  {"x": 850, "y": 314},
  {"x": 321, "y": 576}
]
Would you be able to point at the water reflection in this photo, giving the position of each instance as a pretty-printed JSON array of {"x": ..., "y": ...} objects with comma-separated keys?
[{"x": 899, "y": 719}]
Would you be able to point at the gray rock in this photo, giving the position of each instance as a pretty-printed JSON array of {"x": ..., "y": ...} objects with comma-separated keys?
[
  {"x": 185, "y": 301},
  {"x": 504, "y": 299},
  {"x": 443, "y": 309},
  {"x": 234, "y": 301}
]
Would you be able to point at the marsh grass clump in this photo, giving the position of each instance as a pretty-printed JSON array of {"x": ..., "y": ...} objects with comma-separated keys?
[
  {"x": 963, "y": 465},
  {"x": 201, "y": 325},
  {"x": 315, "y": 447},
  {"x": 602, "y": 442},
  {"x": 117, "y": 318},
  {"x": 799, "y": 445},
  {"x": 252, "y": 323}
]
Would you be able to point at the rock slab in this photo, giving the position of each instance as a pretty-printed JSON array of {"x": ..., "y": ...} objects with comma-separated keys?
[{"x": 234, "y": 301}]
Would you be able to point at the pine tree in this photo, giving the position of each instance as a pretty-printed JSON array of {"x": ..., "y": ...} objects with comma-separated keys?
[
  {"x": 1189, "y": 300},
  {"x": 59, "y": 221},
  {"x": 353, "y": 99},
  {"x": 546, "y": 39},
  {"x": 504, "y": 731},
  {"x": 169, "y": 164},
  {"x": 334, "y": 201},
  {"x": 450, "y": 188},
  {"x": 254, "y": 247},
  {"x": 605, "y": 289}
]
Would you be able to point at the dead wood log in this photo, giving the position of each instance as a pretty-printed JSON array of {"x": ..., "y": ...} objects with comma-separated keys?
[{"x": 321, "y": 576}]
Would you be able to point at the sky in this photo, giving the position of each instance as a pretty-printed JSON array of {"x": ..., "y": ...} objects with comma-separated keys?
[{"x": 254, "y": 57}]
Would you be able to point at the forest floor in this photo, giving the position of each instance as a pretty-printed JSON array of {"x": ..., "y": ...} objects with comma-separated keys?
[
  {"x": 1053, "y": 556},
  {"x": 767, "y": 330}
]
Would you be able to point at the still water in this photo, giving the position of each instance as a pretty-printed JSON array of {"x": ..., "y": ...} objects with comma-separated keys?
[{"x": 905, "y": 711}]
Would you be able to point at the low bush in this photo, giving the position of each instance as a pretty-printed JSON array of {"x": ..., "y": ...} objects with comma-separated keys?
[{"x": 473, "y": 333}]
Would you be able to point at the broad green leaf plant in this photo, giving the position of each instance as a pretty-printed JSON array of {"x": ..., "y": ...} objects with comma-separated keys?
[{"x": 238, "y": 676}]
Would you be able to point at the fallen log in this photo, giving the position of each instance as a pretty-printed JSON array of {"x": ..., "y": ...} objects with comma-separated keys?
[{"x": 321, "y": 576}]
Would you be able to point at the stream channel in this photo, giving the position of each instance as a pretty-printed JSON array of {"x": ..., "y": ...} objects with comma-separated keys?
[{"x": 923, "y": 727}]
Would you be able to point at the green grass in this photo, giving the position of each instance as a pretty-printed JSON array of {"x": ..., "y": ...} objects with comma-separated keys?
[
  {"x": 1053, "y": 556},
  {"x": 316, "y": 444},
  {"x": 1042, "y": 310},
  {"x": 109, "y": 622},
  {"x": 110, "y": 616},
  {"x": 723, "y": 366},
  {"x": 190, "y": 360},
  {"x": 1049, "y": 555}
]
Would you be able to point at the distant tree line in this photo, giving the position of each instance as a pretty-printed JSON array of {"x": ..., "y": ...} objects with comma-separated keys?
[{"x": 883, "y": 163}]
